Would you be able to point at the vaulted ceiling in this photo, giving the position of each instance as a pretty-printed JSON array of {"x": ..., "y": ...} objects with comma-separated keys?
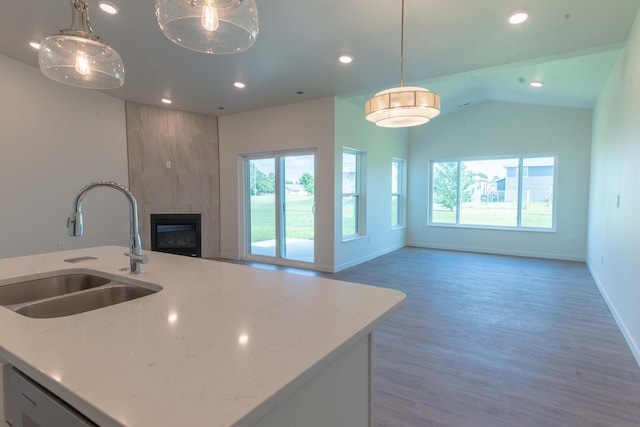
[{"x": 463, "y": 49}]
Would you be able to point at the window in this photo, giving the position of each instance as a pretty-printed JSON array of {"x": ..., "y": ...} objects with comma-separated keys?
[
  {"x": 493, "y": 192},
  {"x": 352, "y": 200},
  {"x": 397, "y": 186}
]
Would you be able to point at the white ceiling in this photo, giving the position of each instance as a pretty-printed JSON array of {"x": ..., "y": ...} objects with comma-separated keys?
[{"x": 463, "y": 49}]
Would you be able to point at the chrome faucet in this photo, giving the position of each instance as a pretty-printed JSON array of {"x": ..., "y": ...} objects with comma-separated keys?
[{"x": 74, "y": 223}]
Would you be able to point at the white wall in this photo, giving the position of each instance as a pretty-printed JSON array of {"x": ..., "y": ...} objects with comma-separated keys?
[
  {"x": 495, "y": 129},
  {"x": 55, "y": 139},
  {"x": 381, "y": 145},
  {"x": 294, "y": 126},
  {"x": 614, "y": 228}
]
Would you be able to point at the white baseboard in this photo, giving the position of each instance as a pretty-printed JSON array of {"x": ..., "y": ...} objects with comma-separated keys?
[
  {"x": 633, "y": 346},
  {"x": 366, "y": 258},
  {"x": 526, "y": 254},
  {"x": 229, "y": 255}
]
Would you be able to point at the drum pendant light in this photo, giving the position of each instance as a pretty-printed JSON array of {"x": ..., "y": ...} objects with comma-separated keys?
[{"x": 402, "y": 106}]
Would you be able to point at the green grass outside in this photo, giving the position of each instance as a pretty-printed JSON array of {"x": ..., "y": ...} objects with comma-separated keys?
[
  {"x": 395, "y": 212},
  {"x": 348, "y": 216},
  {"x": 300, "y": 220},
  {"x": 539, "y": 215},
  {"x": 299, "y": 217}
]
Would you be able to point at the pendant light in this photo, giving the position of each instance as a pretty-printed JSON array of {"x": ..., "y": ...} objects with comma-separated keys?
[
  {"x": 209, "y": 26},
  {"x": 78, "y": 57},
  {"x": 402, "y": 106}
]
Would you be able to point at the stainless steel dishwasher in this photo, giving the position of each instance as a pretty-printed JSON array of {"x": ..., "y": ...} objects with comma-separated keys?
[{"x": 34, "y": 406}]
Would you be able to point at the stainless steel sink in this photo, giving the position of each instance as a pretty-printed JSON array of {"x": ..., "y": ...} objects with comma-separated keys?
[
  {"x": 33, "y": 290},
  {"x": 67, "y": 294},
  {"x": 81, "y": 302}
]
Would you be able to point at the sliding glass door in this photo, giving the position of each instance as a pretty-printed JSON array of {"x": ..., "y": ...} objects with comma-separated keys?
[
  {"x": 262, "y": 207},
  {"x": 281, "y": 206}
]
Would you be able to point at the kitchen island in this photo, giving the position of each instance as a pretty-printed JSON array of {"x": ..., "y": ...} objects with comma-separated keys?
[{"x": 219, "y": 345}]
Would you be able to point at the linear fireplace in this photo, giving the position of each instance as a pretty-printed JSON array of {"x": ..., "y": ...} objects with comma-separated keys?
[{"x": 176, "y": 234}]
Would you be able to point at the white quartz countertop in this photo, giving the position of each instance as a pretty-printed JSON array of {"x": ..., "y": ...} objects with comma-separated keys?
[{"x": 220, "y": 345}]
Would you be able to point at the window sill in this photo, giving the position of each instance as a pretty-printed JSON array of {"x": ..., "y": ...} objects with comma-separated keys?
[
  {"x": 353, "y": 238},
  {"x": 496, "y": 227}
]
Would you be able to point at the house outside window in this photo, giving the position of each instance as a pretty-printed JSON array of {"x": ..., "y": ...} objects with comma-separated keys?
[
  {"x": 397, "y": 190},
  {"x": 492, "y": 193},
  {"x": 352, "y": 193}
]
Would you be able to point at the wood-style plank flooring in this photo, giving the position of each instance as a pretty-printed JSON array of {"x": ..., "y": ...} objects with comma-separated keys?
[{"x": 487, "y": 340}]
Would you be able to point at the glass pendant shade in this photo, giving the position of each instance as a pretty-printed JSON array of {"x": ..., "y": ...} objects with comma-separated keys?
[
  {"x": 82, "y": 62},
  {"x": 402, "y": 107},
  {"x": 77, "y": 57},
  {"x": 209, "y": 26}
]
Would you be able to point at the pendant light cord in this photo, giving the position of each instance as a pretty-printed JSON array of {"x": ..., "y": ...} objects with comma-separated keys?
[{"x": 402, "y": 46}]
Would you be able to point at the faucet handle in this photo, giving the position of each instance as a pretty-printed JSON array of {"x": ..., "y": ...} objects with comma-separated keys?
[
  {"x": 74, "y": 224},
  {"x": 142, "y": 259}
]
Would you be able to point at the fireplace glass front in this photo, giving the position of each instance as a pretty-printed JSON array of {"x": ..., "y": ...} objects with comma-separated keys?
[{"x": 176, "y": 233}]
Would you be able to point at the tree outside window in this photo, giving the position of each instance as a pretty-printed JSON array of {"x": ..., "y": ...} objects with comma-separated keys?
[{"x": 493, "y": 193}]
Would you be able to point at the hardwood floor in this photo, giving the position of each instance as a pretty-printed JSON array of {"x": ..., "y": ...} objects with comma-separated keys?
[{"x": 487, "y": 340}]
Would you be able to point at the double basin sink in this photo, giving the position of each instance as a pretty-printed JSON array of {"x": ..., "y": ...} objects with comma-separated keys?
[{"x": 67, "y": 294}]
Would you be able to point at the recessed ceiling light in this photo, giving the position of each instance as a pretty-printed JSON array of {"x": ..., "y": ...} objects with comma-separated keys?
[
  {"x": 166, "y": 100},
  {"x": 536, "y": 84},
  {"x": 239, "y": 85},
  {"x": 34, "y": 44},
  {"x": 108, "y": 7},
  {"x": 518, "y": 17},
  {"x": 345, "y": 59}
]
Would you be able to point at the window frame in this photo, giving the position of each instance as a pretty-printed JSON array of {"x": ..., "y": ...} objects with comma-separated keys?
[
  {"x": 521, "y": 158},
  {"x": 358, "y": 194},
  {"x": 400, "y": 202}
]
